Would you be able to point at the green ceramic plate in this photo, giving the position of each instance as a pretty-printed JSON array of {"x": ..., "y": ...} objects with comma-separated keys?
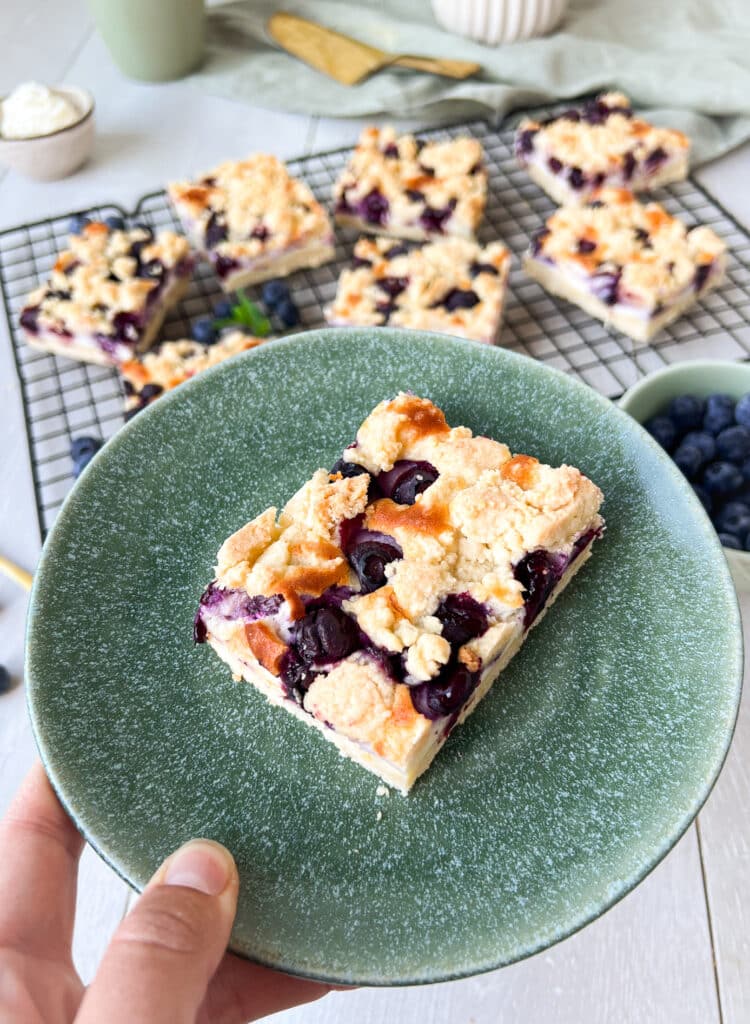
[{"x": 573, "y": 778}]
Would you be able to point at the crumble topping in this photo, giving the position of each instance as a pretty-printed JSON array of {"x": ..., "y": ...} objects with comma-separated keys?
[
  {"x": 440, "y": 187},
  {"x": 245, "y": 208},
  {"x": 103, "y": 273},
  {"x": 462, "y": 534},
  {"x": 451, "y": 285},
  {"x": 602, "y": 137},
  {"x": 653, "y": 254},
  {"x": 174, "y": 362}
]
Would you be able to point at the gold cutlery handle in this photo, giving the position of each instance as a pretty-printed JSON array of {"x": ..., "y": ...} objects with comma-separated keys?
[
  {"x": 438, "y": 65},
  {"x": 16, "y": 573}
]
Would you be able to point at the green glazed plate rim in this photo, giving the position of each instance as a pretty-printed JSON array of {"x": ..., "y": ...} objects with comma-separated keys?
[{"x": 619, "y": 888}]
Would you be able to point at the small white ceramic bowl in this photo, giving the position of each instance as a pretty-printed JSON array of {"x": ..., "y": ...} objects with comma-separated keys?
[
  {"x": 53, "y": 156},
  {"x": 499, "y": 21},
  {"x": 699, "y": 377}
]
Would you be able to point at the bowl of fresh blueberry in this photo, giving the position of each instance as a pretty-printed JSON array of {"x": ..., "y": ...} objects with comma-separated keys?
[{"x": 699, "y": 412}]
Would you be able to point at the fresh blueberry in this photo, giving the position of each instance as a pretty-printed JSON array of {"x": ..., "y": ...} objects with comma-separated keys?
[
  {"x": 721, "y": 479},
  {"x": 274, "y": 292},
  {"x": 733, "y": 444},
  {"x": 719, "y": 413},
  {"x": 703, "y": 497},
  {"x": 203, "y": 330},
  {"x": 745, "y": 470},
  {"x": 728, "y": 540},
  {"x": 5, "y": 680},
  {"x": 78, "y": 223},
  {"x": 734, "y": 518},
  {"x": 686, "y": 412},
  {"x": 288, "y": 313},
  {"x": 115, "y": 222},
  {"x": 662, "y": 429},
  {"x": 742, "y": 411},
  {"x": 703, "y": 441},
  {"x": 689, "y": 459},
  {"x": 223, "y": 309},
  {"x": 82, "y": 451},
  {"x": 84, "y": 445}
]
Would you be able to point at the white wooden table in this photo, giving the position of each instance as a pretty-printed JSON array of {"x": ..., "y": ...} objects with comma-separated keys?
[{"x": 675, "y": 951}]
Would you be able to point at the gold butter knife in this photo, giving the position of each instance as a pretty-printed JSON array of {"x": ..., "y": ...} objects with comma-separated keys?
[{"x": 348, "y": 60}]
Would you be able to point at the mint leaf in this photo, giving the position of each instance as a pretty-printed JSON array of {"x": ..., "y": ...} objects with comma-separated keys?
[{"x": 247, "y": 315}]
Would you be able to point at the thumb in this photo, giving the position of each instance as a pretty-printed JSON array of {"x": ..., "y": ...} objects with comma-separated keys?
[{"x": 163, "y": 955}]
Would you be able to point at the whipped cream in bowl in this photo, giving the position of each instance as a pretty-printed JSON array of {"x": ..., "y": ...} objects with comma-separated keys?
[
  {"x": 46, "y": 132},
  {"x": 32, "y": 110}
]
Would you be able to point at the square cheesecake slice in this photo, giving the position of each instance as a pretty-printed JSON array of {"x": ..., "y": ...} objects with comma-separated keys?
[
  {"x": 629, "y": 264},
  {"x": 108, "y": 293},
  {"x": 253, "y": 221},
  {"x": 173, "y": 362},
  {"x": 600, "y": 144},
  {"x": 382, "y": 602},
  {"x": 407, "y": 188},
  {"x": 454, "y": 286}
]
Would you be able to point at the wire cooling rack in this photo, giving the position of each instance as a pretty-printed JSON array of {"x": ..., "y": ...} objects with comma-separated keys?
[{"x": 63, "y": 399}]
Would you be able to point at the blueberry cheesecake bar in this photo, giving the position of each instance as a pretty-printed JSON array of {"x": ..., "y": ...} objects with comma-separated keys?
[
  {"x": 173, "y": 362},
  {"x": 253, "y": 220},
  {"x": 401, "y": 186},
  {"x": 108, "y": 293},
  {"x": 629, "y": 264},
  {"x": 452, "y": 285},
  {"x": 382, "y": 602},
  {"x": 600, "y": 144}
]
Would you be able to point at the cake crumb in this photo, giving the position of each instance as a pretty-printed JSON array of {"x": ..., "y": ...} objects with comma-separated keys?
[
  {"x": 379, "y": 816},
  {"x": 382, "y": 791}
]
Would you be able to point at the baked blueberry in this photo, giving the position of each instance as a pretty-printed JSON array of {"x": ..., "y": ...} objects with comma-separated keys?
[
  {"x": 115, "y": 222},
  {"x": 446, "y": 694},
  {"x": 287, "y": 312},
  {"x": 77, "y": 223}
]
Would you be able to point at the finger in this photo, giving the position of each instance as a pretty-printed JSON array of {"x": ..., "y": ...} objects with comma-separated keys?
[
  {"x": 241, "y": 991},
  {"x": 158, "y": 965},
  {"x": 39, "y": 853}
]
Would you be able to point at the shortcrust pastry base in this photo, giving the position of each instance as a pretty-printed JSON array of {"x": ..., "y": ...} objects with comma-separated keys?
[
  {"x": 313, "y": 255},
  {"x": 558, "y": 189},
  {"x": 413, "y": 233},
  {"x": 92, "y": 353},
  {"x": 640, "y": 328}
]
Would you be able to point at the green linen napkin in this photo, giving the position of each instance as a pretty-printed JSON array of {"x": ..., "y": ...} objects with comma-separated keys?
[{"x": 686, "y": 61}]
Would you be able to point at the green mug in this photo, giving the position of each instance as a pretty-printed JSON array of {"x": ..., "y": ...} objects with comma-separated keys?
[{"x": 153, "y": 40}]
